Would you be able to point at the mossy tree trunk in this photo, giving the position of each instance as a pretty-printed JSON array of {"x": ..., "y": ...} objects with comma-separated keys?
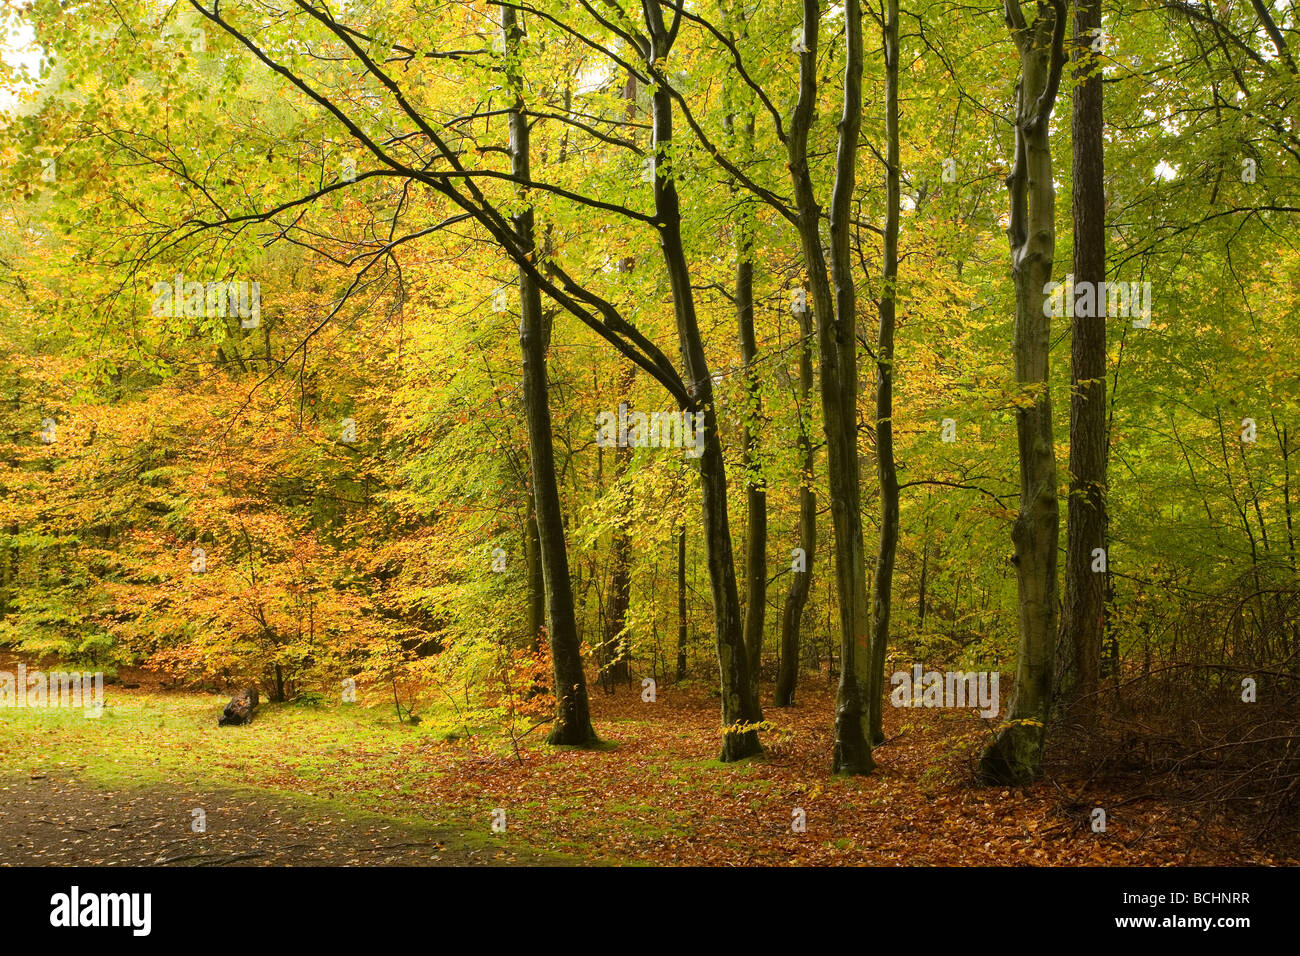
[{"x": 1016, "y": 754}]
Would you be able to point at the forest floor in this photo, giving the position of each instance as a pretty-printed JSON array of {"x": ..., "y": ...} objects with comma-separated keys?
[
  {"x": 65, "y": 819},
  {"x": 341, "y": 784}
]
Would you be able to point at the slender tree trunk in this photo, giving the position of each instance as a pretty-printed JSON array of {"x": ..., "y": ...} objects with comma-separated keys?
[
  {"x": 614, "y": 651},
  {"x": 740, "y": 710},
  {"x": 681, "y": 606},
  {"x": 8, "y": 573},
  {"x": 572, "y": 714},
  {"x": 852, "y": 747},
  {"x": 1016, "y": 754},
  {"x": 1082, "y": 613},
  {"x": 837, "y": 352},
  {"x": 1283, "y": 442},
  {"x": 886, "y": 469},
  {"x": 740, "y": 139},
  {"x": 800, "y": 581},
  {"x": 925, "y": 571},
  {"x": 755, "y": 484},
  {"x": 536, "y": 581},
  {"x": 613, "y": 648}
]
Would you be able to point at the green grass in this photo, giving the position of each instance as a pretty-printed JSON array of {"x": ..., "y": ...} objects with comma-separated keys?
[{"x": 345, "y": 759}]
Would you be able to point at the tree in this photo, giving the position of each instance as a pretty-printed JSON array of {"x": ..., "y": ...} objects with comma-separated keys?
[
  {"x": 740, "y": 709},
  {"x": 751, "y": 415},
  {"x": 572, "y": 717},
  {"x": 802, "y": 562},
  {"x": 886, "y": 467},
  {"x": 1083, "y": 610},
  {"x": 834, "y": 299},
  {"x": 837, "y": 349},
  {"x": 1016, "y": 754}
]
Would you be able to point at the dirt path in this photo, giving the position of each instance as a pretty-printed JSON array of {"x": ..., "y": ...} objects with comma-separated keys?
[{"x": 49, "y": 821}]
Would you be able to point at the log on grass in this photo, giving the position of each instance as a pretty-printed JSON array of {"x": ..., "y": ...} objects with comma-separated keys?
[{"x": 240, "y": 709}]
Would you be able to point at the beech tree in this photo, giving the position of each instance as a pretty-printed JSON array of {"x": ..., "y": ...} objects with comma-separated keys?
[
  {"x": 801, "y": 564},
  {"x": 554, "y": 210},
  {"x": 572, "y": 719},
  {"x": 1016, "y": 755},
  {"x": 1083, "y": 610}
]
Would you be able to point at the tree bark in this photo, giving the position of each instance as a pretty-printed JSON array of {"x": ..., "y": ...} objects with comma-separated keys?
[
  {"x": 681, "y": 606},
  {"x": 1082, "y": 613},
  {"x": 837, "y": 353},
  {"x": 838, "y": 340},
  {"x": 921, "y": 599},
  {"x": 1016, "y": 754},
  {"x": 1283, "y": 442},
  {"x": 740, "y": 710},
  {"x": 572, "y": 715},
  {"x": 800, "y": 581},
  {"x": 536, "y": 581},
  {"x": 240, "y": 709},
  {"x": 755, "y": 484},
  {"x": 886, "y": 468},
  {"x": 614, "y": 652}
]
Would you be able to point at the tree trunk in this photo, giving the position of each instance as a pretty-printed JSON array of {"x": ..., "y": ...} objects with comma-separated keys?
[
  {"x": 681, "y": 606},
  {"x": 740, "y": 711},
  {"x": 9, "y": 572},
  {"x": 837, "y": 353},
  {"x": 740, "y": 139},
  {"x": 838, "y": 340},
  {"x": 800, "y": 581},
  {"x": 536, "y": 583},
  {"x": 1016, "y": 755},
  {"x": 1082, "y": 614},
  {"x": 925, "y": 571},
  {"x": 1283, "y": 441},
  {"x": 614, "y": 653},
  {"x": 572, "y": 715},
  {"x": 886, "y": 469},
  {"x": 240, "y": 709},
  {"x": 755, "y": 484}
]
